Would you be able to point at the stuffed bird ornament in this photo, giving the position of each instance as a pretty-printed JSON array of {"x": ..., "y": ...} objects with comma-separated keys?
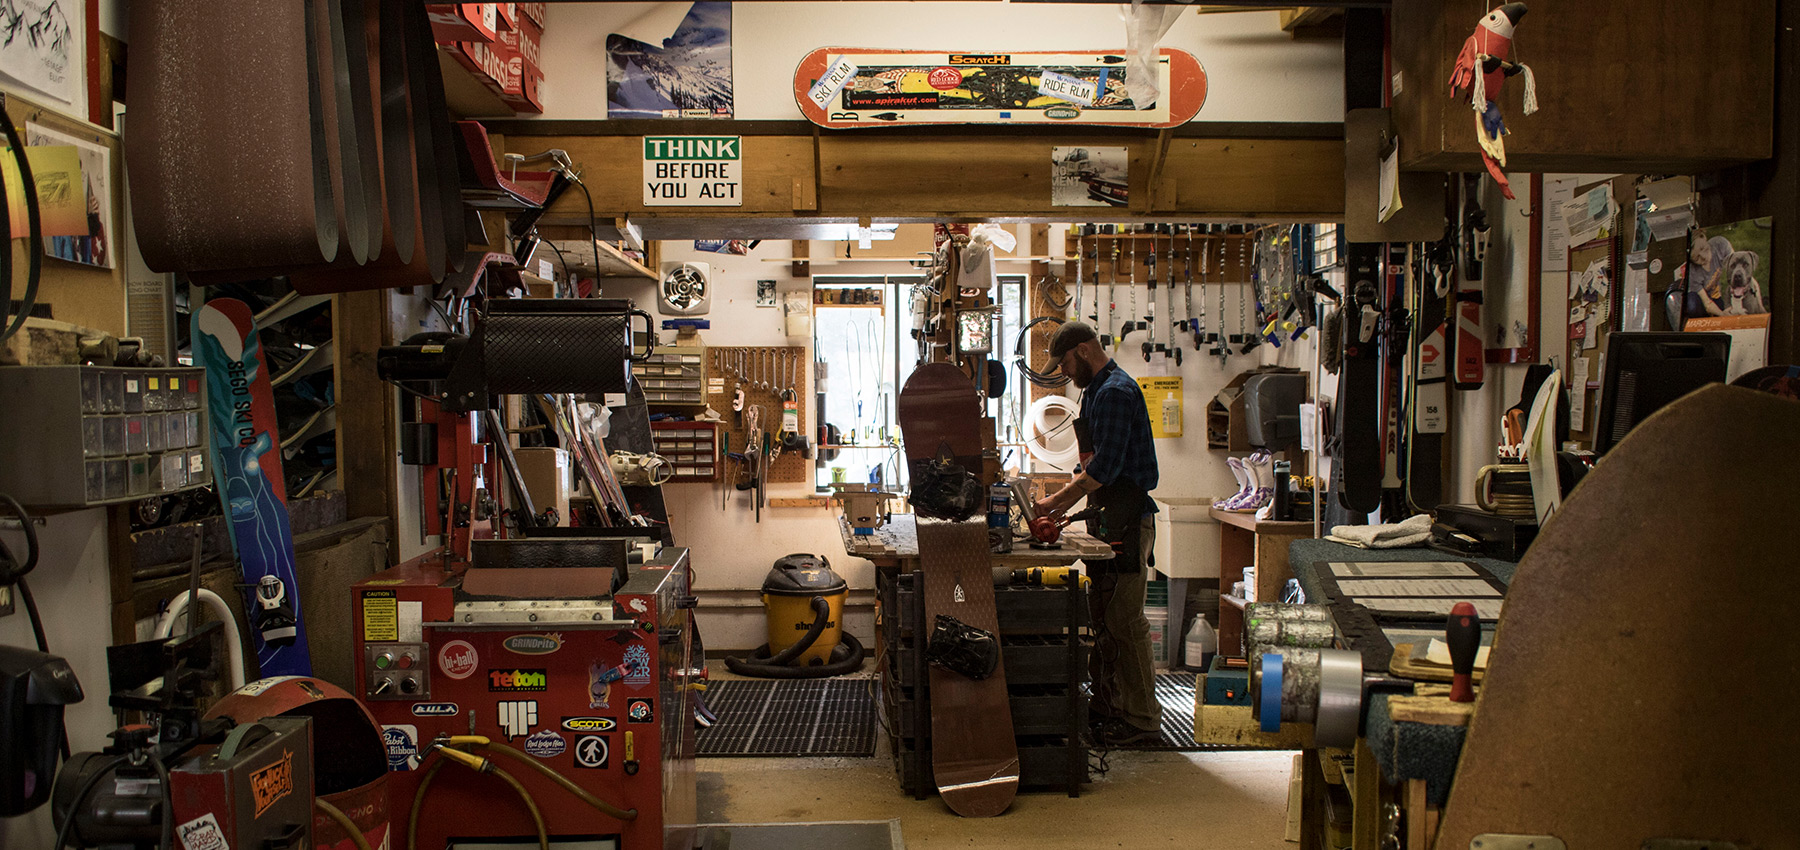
[{"x": 1482, "y": 67}]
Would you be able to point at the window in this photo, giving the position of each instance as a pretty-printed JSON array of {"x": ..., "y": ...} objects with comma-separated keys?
[{"x": 867, "y": 349}]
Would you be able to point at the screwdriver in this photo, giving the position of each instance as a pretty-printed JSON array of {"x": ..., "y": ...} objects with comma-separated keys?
[{"x": 1462, "y": 633}]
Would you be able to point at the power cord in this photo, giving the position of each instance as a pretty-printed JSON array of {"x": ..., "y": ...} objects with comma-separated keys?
[{"x": 34, "y": 251}]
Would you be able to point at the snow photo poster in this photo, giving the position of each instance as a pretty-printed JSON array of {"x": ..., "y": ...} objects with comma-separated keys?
[{"x": 687, "y": 75}]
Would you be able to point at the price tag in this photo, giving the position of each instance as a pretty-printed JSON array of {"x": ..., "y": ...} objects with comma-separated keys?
[{"x": 1065, "y": 87}]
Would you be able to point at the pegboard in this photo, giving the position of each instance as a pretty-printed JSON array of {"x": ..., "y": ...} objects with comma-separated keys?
[{"x": 762, "y": 371}]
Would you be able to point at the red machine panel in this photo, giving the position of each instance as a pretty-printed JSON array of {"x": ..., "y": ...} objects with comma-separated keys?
[{"x": 592, "y": 688}]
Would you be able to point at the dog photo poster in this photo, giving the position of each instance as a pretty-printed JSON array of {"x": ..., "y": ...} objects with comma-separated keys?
[{"x": 1725, "y": 269}]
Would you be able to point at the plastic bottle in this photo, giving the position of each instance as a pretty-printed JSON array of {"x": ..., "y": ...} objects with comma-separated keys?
[{"x": 1202, "y": 642}]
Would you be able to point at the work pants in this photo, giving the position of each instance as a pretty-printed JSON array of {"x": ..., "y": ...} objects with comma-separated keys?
[{"x": 1124, "y": 680}]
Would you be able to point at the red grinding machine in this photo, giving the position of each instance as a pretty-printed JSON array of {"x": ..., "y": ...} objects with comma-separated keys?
[{"x": 553, "y": 670}]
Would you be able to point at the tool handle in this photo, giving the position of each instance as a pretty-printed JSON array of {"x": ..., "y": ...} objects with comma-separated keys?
[{"x": 1463, "y": 635}]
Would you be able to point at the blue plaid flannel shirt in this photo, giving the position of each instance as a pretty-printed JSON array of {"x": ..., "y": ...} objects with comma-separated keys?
[{"x": 1119, "y": 426}]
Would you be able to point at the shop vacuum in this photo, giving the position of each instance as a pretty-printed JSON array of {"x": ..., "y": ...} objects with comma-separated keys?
[{"x": 804, "y": 602}]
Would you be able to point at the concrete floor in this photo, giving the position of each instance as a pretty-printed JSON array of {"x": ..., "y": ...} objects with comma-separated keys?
[{"x": 1148, "y": 799}]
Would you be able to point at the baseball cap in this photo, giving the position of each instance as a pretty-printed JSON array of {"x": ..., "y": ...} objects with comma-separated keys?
[{"x": 1067, "y": 336}]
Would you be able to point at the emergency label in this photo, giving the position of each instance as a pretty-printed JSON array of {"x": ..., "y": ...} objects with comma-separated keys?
[
  {"x": 693, "y": 171},
  {"x": 380, "y": 615}
]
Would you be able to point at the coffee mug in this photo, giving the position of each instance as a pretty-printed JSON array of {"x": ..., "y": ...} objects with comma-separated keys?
[{"x": 1505, "y": 489}]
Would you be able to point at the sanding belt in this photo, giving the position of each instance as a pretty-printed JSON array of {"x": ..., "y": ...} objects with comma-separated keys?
[{"x": 246, "y": 123}]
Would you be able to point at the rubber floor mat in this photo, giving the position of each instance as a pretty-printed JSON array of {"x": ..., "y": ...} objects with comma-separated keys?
[{"x": 816, "y": 717}]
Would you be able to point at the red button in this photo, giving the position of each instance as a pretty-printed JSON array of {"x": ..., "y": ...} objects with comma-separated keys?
[{"x": 406, "y": 661}]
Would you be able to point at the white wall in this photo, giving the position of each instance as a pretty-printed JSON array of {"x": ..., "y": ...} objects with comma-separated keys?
[
  {"x": 730, "y": 550},
  {"x": 1255, "y": 72},
  {"x": 73, "y": 594}
]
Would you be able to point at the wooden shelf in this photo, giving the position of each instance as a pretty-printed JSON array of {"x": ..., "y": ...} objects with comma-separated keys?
[
  {"x": 1234, "y": 601},
  {"x": 1248, "y": 522},
  {"x": 614, "y": 265},
  {"x": 466, "y": 96}
]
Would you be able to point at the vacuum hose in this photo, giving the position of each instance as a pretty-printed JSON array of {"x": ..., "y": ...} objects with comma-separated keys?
[
  {"x": 846, "y": 657},
  {"x": 343, "y": 820}
]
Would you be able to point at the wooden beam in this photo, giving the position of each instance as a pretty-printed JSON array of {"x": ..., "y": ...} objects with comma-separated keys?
[
  {"x": 964, "y": 177},
  {"x": 1153, "y": 182},
  {"x": 367, "y": 416}
]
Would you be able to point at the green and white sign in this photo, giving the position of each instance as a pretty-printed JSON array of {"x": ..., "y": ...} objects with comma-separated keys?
[{"x": 693, "y": 171}]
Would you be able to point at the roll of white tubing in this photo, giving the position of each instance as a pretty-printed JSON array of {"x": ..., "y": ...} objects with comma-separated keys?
[
  {"x": 234, "y": 643},
  {"x": 1050, "y": 432}
]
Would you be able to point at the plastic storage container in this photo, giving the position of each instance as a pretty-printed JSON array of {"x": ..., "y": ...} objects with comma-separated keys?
[{"x": 1159, "y": 637}]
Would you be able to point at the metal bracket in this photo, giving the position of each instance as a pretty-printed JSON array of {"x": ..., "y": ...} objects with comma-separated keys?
[{"x": 1506, "y": 841}]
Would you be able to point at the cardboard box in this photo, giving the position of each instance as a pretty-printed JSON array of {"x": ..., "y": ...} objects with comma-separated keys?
[
  {"x": 534, "y": 11},
  {"x": 524, "y": 40},
  {"x": 454, "y": 22},
  {"x": 508, "y": 15},
  {"x": 547, "y": 478}
]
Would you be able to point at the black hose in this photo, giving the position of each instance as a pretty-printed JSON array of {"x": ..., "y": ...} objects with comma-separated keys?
[
  {"x": 1047, "y": 380},
  {"x": 821, "y": 616},
  {"x": 846, "y": 658}
]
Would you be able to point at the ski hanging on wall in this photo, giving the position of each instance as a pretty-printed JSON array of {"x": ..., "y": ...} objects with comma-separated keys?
[
  {"x": 246, "y": 462},
  {"x": 847, "y": 87}
]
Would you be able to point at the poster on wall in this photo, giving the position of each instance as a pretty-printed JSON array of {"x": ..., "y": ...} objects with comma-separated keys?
[
  {"x": 686, "y": 75},
  {"x": 40, "y": 47},
  {"x": 92, "y": 244},
  {"x": 1082, "y": 176},
  {"x": 1725, "y": 267}
]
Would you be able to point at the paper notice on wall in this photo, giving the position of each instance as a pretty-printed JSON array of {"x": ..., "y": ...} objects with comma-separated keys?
[
  {"x": 1390, "y": 185},
  {"x": 1578, "y": 378},
  {"x": 1557, "y": 193},
  {"x": 1749, "y": 340},
  {"x": 1590, "y": 215}
]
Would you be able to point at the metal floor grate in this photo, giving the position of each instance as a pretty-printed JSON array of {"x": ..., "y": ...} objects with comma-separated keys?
[
  {"x": 1175, "y": 692},
  {"x": 815, "y": 717}
]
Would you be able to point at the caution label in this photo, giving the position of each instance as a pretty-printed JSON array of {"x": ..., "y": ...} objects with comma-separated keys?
[{"x": 380, "y": 615}]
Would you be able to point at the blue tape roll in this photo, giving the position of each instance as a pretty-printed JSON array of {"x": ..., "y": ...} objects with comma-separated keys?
[{"x": 1271, "y": 692}]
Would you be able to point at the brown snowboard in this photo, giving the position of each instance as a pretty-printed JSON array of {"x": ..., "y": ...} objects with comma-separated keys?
[{"x": 974, "y": 757}]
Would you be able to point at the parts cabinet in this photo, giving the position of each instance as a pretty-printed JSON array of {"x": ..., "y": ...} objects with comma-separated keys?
[{"x": 1046, "y": 666}]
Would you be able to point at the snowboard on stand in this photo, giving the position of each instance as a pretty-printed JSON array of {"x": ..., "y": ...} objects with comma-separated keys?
[
  {"x": 1360, "y": 423},
  {"x": 246, "y": 462},
  {"x": 974, "y": 756}
]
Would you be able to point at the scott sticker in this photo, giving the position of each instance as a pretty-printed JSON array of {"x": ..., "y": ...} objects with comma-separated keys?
[
  {"x": 402, "y": 746},
  {"x": 458, "y": 660},
  {"x": 591, "y": 751},
  {"x": 640, "y": 711},
  {"x": 202, "y": 833},
  {"x": 517, "y": 680},
  {"x": 545, "y": 743},
  {"x": 533, "y": 644},
  {"x": 589, "y": 724},
  {"x": 433, "y": 709}
]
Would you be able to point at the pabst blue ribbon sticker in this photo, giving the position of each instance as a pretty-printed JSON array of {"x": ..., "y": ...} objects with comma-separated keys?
[
  {"x": 545, "y": 743},
  {"x": 402, "y": 746},
  {"x": 458, "y": 660}
]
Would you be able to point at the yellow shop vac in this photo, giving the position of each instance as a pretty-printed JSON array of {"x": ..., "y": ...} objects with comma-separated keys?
[{"x": 803, "y": 600}]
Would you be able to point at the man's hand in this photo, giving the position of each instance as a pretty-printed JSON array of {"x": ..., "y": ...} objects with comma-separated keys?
[{"x": 1048, "y": 507}]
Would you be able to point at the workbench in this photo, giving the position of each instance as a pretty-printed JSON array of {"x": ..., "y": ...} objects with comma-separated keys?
[
  {"x": 1409, "y": 742},
  {"x": 896, "y": 546}
]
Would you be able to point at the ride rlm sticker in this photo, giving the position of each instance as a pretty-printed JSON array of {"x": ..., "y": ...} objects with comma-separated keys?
[
  {"x": 1065, "y": 87},
  {"x": 829, "y": 85}
]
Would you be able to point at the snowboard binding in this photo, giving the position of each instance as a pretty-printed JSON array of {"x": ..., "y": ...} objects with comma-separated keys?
[
  {"x": 963, "y": 649},
  {"x": 944, "y": 489},
  {"x": 275, "y": 619}
]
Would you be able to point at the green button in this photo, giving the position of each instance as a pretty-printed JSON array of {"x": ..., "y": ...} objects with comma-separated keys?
[{"x": 384, "y": 661}]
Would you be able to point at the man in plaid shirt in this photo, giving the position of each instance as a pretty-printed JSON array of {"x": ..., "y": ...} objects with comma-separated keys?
[{"x": 1118, "y": 471}]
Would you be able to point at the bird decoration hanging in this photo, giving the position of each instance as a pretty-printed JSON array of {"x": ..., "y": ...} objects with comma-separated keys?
[{"x": 1489, "y": 48}]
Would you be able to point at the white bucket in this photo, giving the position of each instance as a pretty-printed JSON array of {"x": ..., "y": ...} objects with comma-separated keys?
[{"x": 1159, "y": 637}]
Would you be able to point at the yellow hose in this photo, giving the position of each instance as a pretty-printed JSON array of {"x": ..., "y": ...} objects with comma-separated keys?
[
  {"x": 343, "y": 820},
  {"x": 604, "y": 807},
  {"x": 412, "y": 819},
  {"x": 537, "y": 817}
]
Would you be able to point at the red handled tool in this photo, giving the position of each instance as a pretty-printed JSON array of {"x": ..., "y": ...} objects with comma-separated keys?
[
  {"x": 1048, "y": 530},
  {"x": 1463, "y": 635}
]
